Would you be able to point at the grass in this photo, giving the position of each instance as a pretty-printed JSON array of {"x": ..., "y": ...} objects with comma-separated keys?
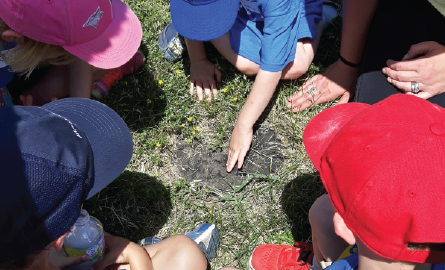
[{"x": 151, "y": 198}]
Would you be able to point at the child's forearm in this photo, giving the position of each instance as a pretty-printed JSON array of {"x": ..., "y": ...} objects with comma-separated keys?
[
  {"x": 262, "y": 91},
  {"x": 80, "y": 79},
  {"x": 195, "y": 50}
]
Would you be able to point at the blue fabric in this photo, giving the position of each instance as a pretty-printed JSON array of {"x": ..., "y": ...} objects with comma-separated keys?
[
  {"x": 351, "y": 263},
  {"x": 203, "y": 20},
  {"x": 266, "y": 32},
  {"x": 6, "y": 72}
]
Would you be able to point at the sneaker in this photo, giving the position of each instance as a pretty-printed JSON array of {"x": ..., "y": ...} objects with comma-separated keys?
[
  {"x": 103, "y": 86},
  {"x": 149, "y": 241},
  {"x": 282, "y": 257},
  {"x": 207, "y": 237},
  {"x": 330, "y": 12},
  {"x": 171, "y": 44}
]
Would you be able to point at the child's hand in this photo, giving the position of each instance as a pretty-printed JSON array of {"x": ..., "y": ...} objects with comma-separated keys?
[
  {"x": 202, "y": 75},
  {"x": 120, "y": 251},
  {"x": 238, "y": 147}
]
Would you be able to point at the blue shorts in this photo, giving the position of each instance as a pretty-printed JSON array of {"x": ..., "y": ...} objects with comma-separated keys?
[{"x": 246, "y": 37}]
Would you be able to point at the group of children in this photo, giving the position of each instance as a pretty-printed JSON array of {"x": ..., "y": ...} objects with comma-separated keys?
[{"x": 382, "y": 165}]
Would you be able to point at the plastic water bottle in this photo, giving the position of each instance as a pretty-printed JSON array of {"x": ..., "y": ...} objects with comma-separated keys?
[{"x": 86, "y": 237}]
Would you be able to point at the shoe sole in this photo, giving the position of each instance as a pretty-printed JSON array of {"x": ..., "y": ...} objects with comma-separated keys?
[
  {"x": 208, "y": 241},
  {"x": 250, "y": 261}
]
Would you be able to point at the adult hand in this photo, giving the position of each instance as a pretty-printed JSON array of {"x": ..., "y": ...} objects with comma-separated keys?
[
  {"x": 59, "y": 258},
  {"x": 122, "y": 251},
  {"x": 337, "y": 80},
  {"x": 202, "y": 75},
  {"x": 428, "y": 70},
  {"x": 238, "y": 147}
]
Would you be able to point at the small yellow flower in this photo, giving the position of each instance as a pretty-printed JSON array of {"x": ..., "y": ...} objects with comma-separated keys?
[
  {"x": 161, "y": 96},
  {"x": 190, "y": 119},
  {"x": 158, "y": 144},
  {"x": 169, "y": 85},
  {"x": 188, "y": 140},
  {"x": 193, "y": 133},
  {"x": 183, "y": 125},
  {"x": 177, "y": 71},
  {"x": 160, "y": 82},
  {"x": 143, "y": 2},
  {"x": 225, "y": 90},
  {"x": 197, "y": 128},
  {"x": 234, "y": 99},
  {"x": 148, "y": 101}
]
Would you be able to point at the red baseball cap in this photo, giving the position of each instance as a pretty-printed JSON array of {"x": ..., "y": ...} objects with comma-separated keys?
[
  {"x": 103, "y": 33},
  {"x": 383, "y": 167}
]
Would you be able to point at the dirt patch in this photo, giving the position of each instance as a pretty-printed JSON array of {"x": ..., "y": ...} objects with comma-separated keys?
[{"x": 200, "y": 163}]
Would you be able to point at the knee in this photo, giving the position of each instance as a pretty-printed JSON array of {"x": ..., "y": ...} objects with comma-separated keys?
[
  {"x": 188, "y": 253},
  {"x": 295, "y": 70},
  {"x": 248, "y": 67},
  {"x": 321, "y": 212}
]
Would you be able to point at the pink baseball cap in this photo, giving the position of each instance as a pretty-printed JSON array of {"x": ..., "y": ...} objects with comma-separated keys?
[
  {"x": 383, "y": 167},
  {"x": 103, "y": 33}
]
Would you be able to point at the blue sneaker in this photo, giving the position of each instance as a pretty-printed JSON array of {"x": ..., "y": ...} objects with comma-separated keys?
[
  {"x": 149, "y": 241},
  {"x": 171, "y": 44},
  {"x": 207, "y": 237}
]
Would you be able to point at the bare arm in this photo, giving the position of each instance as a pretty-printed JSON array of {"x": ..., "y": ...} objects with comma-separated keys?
[{"x": 262, "y": 91}]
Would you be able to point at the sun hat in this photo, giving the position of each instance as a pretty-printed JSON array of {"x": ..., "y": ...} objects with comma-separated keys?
[
  {"x": 383, "y": 167},
  {"x": 103, "y": 33},
  {"x": 52, "y": 159},
  {"x": 203, "y": 20}
]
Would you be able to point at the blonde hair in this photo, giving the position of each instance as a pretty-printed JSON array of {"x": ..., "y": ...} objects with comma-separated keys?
[{"x": 29, "y": 53}]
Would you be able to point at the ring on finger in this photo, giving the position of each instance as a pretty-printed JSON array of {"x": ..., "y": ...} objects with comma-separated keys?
[
  {"x": 415, "y": 87},
  {"x": 312, "y": 90}
]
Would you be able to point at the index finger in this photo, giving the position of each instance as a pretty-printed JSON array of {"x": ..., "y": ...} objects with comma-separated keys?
[
  {"x": 403, "y": 65},
  {"x": 233, "y": 157}
]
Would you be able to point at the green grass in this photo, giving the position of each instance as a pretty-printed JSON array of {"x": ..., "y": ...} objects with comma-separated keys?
[{"x": 151, "y": 198}]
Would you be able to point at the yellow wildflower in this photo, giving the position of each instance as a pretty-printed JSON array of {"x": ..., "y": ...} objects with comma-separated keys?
[
  {"x": 158, "y": 144},
  {"x": 234, "y": 99},
  {"x": 188, "y": 140},
  {"x": 160, "y": 82},
  {"x": 169, "y": 85},
  {"x": 197, "y": 128},
  {"x": 193, "y": 133},
  {"x": 183, "y": 125},
  {"x": 225, "y": 90},
  {"x": 177, "y": 71},
  {"x": 161, "y": 96},
  {"x": 148, "y": 101},
  {"x": 190, "y": 119}
]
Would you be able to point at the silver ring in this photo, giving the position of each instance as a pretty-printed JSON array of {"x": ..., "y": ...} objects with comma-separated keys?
[
  {"x": 415, "y": 87},
  {"x": 312, "y": 90}
]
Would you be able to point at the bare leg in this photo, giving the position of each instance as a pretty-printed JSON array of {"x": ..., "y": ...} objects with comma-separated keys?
[
  {"x": 326, "y": 243},
  {"x": 177, "y": 252},
  {"x": 74, "y": 80}
]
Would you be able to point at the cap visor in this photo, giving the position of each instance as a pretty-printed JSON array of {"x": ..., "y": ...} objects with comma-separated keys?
[
  {"x": 322, "y": 129},
  {"x": 107, "y": 133},
  {"x": 203, "y": 22},
  {"x": 117, "y": 44}
]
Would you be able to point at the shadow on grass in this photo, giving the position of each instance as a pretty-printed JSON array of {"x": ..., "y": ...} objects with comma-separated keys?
[
  {"x": 138, "y": 97},
  {"x": 296, "y": 200},
  {"x": 134, "y": 206}
]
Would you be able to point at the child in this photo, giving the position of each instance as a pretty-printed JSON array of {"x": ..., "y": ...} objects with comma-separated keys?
[
  {"x": 383, "y": 169},
  {"x": 85, "y": 40},
  {"x": 53, "y": 158},
  {"x": 271, "y": 39}
]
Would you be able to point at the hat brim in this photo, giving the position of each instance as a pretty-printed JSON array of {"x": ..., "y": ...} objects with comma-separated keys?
[
  {"x": 323, "y": 128},
  {"x": 203, "y": 22},
  {"x": 109, "y": 137},
  {"x": 116, "y": 45}
]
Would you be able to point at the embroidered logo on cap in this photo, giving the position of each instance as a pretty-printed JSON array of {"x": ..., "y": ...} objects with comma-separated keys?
[{"x": 93, "y": 20}]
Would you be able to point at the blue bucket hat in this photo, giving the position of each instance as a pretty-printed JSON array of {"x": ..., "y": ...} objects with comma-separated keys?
[
  {"x": 52, "y": 159},
  {"x": 203, "y": 20}
]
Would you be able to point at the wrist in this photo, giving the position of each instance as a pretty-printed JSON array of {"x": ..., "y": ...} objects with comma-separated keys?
[{"x": 348, "y": 63}]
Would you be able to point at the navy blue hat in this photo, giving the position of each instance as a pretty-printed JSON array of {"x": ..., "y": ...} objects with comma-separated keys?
[
  {"x": 52, "y": 158},
  {"x": 203, "y": 20}
]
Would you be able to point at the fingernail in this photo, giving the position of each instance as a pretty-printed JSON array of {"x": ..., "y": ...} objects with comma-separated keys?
[
  {"x": 288, "y": 105},
  {"x": 404, "y": 57},
  {"x": 388, "y": 79},
  {"x": 384, "y": 70},
  {"x": 85, "y": 258}
]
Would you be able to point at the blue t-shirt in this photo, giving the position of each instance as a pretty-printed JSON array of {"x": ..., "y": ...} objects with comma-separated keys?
[
  {"x": 277, "y": 24},
  {"x": 350, "y": 261},
  {"x": 6, "y": 72}
]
